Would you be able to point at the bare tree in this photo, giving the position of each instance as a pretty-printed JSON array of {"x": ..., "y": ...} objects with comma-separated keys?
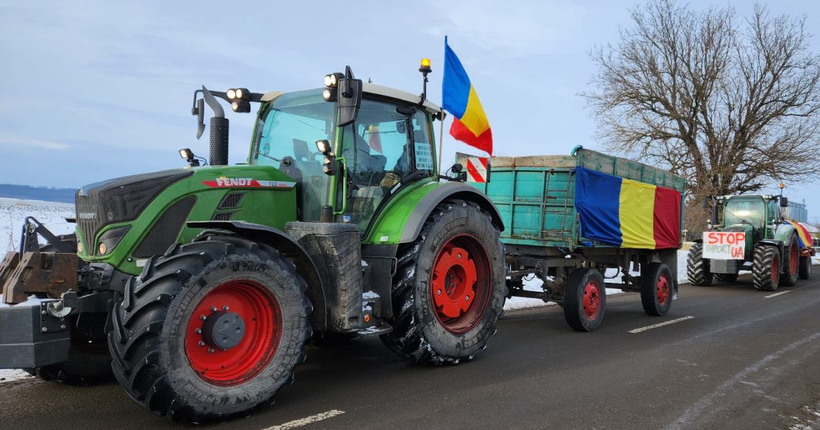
[{"x": 733, "y": 105}]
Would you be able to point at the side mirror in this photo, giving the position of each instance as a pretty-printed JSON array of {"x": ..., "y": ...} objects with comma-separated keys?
[
  {"x": 349, "y": 100},
  {"x": 784, "y": 202},
  {"x": 188, "y": 155}
]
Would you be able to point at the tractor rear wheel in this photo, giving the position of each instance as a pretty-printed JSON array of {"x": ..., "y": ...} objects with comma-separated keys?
[
  {"x": 766, "y": 268},
  {"x": 725, "y": 277},
  {"x": 657, "y": 287},
  {"x": 697, "y": 268},
  {"x": 805, "y": 267},
  {"x": 449, "y": 289},
  {"x": 210, "y": 329},
  {"x": 791, "y": 262},
  {"x": 584, "y": 299}
]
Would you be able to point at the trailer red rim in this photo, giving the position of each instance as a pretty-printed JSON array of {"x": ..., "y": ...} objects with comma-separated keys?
[
  {"x": 663, "y": 289},
  {"x": 793, "y": 258},
  {"x": 233, "y": 333},
  {"x": 775, "y": 270},
  {"x": 461, "y": 284},
  {"x": 592, "y": 300}
]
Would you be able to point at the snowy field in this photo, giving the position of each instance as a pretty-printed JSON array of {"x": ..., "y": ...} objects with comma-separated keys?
[{"x": 13, "y": 212}]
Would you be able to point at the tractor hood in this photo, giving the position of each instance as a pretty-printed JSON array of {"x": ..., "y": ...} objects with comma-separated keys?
[{"x": 121, "y": 199}]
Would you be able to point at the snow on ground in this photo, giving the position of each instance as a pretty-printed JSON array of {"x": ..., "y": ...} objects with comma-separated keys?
[{"x": 13, "y": 213}]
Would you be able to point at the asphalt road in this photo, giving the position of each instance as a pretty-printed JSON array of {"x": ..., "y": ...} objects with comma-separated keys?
[{"x": 743, "y": 361}]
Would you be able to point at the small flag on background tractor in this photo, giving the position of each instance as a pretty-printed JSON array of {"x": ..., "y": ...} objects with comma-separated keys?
[{"x": 470, "y": 124}]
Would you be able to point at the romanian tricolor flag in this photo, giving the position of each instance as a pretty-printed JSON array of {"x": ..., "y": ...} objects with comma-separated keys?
[
  {"x": 470, "y": 124},
  {"x": 626, "y": 213},
  {"x": 803, "y": 235}
]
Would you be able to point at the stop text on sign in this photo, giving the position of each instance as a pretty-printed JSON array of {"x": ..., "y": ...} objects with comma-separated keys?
[{"x": 724, "y": 245}]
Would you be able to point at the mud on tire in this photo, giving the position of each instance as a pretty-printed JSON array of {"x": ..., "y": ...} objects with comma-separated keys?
[
  {"x": 153, "y": 327},
  {"x": 697, "y": 268},
  {"x": 424, "y": 330}
]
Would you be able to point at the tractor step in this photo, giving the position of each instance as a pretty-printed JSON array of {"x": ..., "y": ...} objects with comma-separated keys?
[{"x": 382, "y": 328}]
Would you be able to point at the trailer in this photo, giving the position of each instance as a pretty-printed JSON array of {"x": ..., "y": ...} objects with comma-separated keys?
[{"x": 569, "y": 218}]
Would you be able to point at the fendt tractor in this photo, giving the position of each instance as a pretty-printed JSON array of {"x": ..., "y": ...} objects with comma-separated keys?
[
  {"x": 774, "y": 249},
  {"x": 199, "y": 287}
]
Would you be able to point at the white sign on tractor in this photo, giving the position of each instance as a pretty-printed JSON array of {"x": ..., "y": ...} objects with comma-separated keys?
[{"x": 724, "y": 245}]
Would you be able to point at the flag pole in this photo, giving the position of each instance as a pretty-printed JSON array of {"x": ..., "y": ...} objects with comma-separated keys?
[{"x": 440, "y": 142}]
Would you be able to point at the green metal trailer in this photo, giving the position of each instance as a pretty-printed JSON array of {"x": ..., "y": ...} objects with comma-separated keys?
[{"x": 548, "y": 237}]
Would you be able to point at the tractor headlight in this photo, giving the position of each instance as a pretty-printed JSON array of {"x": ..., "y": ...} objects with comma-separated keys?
[
  {"x": 330, "y": 80},
  {"x": 240, "y": 93},
  {"x": 241, "y": 106},
  {"x": 110, "y": 239},
  {"x": 323, "y": 146},
  {"x": 231, "y": 93},
  {"x": 329, "y": 95}
]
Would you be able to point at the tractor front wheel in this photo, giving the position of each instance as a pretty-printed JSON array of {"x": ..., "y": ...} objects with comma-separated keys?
[
  {"x": 449, "y": 289},
  {"x": 697, "y": 268},
  {"x": 766, "y": 268},
  {"x": 210, "y": 329}
]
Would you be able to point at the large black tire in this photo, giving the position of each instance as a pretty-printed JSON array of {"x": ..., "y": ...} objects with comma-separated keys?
[
  {"x": 158, "y": 341},
  {"x": 657, "y": 287},
  {"x": 766, "y": 268},
  {"x": 584, "y": 299},
  {"x": 697, "y": 268},
  {"x": 791, "y": 262},
  {"x": 805, "y": 267},
  {"x": 424, "y": 332},
  {"x": 725, "y": 277}
]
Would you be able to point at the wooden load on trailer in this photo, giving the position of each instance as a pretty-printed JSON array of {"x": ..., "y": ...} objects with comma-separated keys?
[{"x": 570, "y": 218}]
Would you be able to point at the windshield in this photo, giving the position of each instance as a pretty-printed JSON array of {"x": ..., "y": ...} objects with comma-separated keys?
[
  {"x": 744, "y": 211},
  {"x": 285, "y": 138}
]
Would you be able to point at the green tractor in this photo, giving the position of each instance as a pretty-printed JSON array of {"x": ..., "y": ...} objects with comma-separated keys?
[
  {"x": 753, "y": 236},
  {"x": 199, "y": 287}
]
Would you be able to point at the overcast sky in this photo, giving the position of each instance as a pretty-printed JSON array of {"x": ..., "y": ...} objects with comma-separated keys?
[{"x": 91, "y": 90}]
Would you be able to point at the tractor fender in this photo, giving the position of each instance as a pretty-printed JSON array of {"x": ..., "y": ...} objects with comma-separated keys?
[
  {"x": 449, "y": 190},
  {"x": 771, "y": 242},
  {"x": 288, "y": 247},
  {"x": 783, "y": 231}
]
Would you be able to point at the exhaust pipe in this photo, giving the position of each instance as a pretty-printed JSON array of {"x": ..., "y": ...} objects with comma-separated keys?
[{"x": 219, "y": 131}]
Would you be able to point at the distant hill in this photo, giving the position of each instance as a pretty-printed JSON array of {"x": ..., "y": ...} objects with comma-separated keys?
[{"x": 63, "y": 195}]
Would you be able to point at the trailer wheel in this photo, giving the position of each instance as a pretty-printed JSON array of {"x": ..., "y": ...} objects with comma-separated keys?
[
  {"x": 449, "y": 289},
  {"x": 805, "y": 267},
  {"x": 725, "y": 277},
  {"x": 766, "y": 268},
  {"x": 791, "y": 263},
  {"x": 584, "y": 299},
  {"x": 210, "y": 329},
  {"x": 656, "y": 289},
  {"x": 697, "y": 267}
]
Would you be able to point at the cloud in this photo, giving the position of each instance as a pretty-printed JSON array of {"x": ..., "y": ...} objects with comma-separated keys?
[{"x": 6, "y": 139}]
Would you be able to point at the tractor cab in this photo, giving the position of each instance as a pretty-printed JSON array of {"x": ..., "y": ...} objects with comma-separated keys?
[{"x": 387, "y": 145}]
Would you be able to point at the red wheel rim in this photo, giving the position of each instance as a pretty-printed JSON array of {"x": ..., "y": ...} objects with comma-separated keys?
[
  {"x": 663, "y": 289},
  {"x": 262, "y": 318},
  {"x": 793, "y": 256},
  {"x": 775, "y": 270},
  {"x": 461, "y": 284},
  {"x": 592, "y": 300}
]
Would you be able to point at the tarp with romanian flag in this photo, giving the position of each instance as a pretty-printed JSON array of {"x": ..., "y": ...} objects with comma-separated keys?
[
  {"x": 470, "y": 124},
  {"x": 626, "y": 213},
  {"x": 803, "y": 235}
]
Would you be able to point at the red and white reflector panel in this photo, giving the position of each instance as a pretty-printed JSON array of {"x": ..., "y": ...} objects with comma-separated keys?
[{"x": 477, "y": 169}]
